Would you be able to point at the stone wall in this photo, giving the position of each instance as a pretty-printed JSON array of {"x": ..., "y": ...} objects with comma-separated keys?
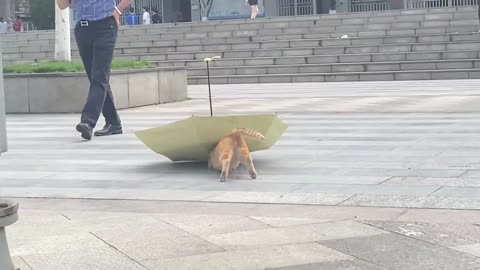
[{"x": 67, "y": 92}]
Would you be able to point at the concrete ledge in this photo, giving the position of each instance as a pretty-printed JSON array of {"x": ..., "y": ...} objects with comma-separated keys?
[{"x": 67, "y": 92}]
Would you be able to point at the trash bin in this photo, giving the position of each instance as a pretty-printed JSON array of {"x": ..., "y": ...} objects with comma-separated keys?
[{"x": 8, "y": 216}]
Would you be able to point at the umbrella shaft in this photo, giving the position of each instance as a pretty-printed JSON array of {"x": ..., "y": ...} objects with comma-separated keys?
[{"x": 209, "y": 91}]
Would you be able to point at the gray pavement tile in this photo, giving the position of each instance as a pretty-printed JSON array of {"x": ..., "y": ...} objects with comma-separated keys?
[
  {"x": 319, "y": 148},
  {"x": 285, "y": 222},
  {"x": 252, "y": 259},
  {"x": 156, "y": 242},
  {"x": 160, "y": 195},
  {"x": 368, "y": 189},
  {"x": 93, "y": 258},
  {"x": 328, "y": 212},
  {"x": 100, "y": 221},
  {"x": 443, "y": 234},
  {"x": 292, "y": 234},
  {"x": 211, "y": 224},
  {"x": 47, "y": 224},
  {"x": 432, "y": 181},
  {"x": 19, "y": 263},
  {"x": 458, "y": 192},
  {"x": 404, "y": 172},
  {"x": 472, "y": 174},
  {"x": 441, "y": 216},
  {"x": 276, "y": 197},
  {"x": 316, "y": 179},
  {"x": 400, "y": 252},
  {"x": 387, "y": 201},
  {"x": 337, "y": 265},
  {"x": 34, "y": 192},
  {"x": 54, "y": 244},
  {"x": 454, "y": 203},
  {"x": 473, "y": 249}
]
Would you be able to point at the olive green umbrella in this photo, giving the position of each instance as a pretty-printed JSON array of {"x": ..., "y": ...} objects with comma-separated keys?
[{"x": 192, "y": 139}]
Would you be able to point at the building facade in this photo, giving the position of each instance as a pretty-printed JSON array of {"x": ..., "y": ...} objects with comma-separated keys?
[{"x": 7, "y": 9}]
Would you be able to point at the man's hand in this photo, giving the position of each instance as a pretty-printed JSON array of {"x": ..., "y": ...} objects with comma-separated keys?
[
  {"x": 63, "y": 4},
  {"x": 116, "y": 15},
  {"x": 120, "y": 7}
]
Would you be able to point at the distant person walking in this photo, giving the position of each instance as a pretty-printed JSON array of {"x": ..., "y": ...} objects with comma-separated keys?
[
  {"x": 254, "y": 8},
  {"x": 156, "y": 18},
  {"x": 96, "y": 29},
  {"x": 3, "y": 26},
  {"x": 18, "y": 24},
  {"x": 146, "y": 16}
]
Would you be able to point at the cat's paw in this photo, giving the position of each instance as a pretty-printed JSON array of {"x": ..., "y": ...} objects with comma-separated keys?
[
  {"x": 253, "y": 175},
  {"x": 222, "y": 178}
]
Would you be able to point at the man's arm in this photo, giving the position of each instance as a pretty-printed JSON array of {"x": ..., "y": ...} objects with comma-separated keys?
[
  {"x": 63, "y": 4},
  {"x": 123, "y": 4},
  {"x": 119, "y": 8}
]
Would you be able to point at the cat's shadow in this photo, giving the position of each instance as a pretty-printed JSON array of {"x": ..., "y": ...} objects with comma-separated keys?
[
  {"x": 190, "y": 169},
  {"x": 175, "y": 167}
]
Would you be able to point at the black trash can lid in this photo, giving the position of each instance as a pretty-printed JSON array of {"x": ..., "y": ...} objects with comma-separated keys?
[{"x": 7, "y": 207}]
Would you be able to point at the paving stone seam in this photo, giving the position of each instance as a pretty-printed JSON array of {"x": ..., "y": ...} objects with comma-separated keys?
[
  {"x": 260, "y": 221},
  {"x": 401, "y": 214},
  {"x": 431, "y": 193},
  {"x": 418, "y": 239},
  {"x": 386, "y": 180},
  {"x": 351, "y": 197},
  {"x": 25, "y": 262},
  {"x": 356, "y": 257},
  {"x": 194, "y": 235},
  {"x": 119, "y": 251}
]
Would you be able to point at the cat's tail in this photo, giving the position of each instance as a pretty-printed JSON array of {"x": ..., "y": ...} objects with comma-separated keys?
[{"x": 249, "y": 133}]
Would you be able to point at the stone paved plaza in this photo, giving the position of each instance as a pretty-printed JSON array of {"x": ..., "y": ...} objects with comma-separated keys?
[{"x": 369, "y": 175}]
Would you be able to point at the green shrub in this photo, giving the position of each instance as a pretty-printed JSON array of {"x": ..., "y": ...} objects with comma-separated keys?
[{"x": 54, "y": 66}]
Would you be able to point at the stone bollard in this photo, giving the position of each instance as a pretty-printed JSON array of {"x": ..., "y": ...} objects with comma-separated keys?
[{"x": 8, "y": 216}]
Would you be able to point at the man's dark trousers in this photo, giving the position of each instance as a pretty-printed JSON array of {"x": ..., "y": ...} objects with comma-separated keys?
[{"x": 96, "y": 43}]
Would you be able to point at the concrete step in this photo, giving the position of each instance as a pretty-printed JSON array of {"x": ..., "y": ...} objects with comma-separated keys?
[
  {"x": 252, "y": 40},
  {"x": 473, "y": 73},
  {"x": 389, "y": 16},
  {"x": 337, "y": 67},
  {"x": 326, "y": 59},
  {"x": 304, "y": 43},
  {"x": 156, "y": 54},
  {"x": 306, "y": 51},
  {"x": 370, "y": 18}
]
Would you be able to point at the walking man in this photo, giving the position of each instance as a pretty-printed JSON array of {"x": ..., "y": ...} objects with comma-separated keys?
[{"x": 96, "y": 27}]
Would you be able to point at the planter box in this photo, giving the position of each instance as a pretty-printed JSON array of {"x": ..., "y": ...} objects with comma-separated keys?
[{"x": 67, "y": 92}]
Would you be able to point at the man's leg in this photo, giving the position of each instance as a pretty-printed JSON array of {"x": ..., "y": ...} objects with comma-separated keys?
[
  {"x": 112, "y": 120},
  {"x": 100, "y": 93},
  {"x": 83, "y": 37},
  {"x": 85, "y": 45}
]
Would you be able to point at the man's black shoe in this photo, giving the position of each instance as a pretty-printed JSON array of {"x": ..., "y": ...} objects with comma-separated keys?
[
  {"x": 85, "y": 130},
  {"x": 109, "y": 129}
]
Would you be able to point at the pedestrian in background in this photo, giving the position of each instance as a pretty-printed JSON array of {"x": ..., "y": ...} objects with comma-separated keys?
[
  {"x": 146, "y": 16},
  {"x": 254, "y": 8}
]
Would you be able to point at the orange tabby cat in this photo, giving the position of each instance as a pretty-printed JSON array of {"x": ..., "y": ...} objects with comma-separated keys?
[{"x": 231, "y": 151}]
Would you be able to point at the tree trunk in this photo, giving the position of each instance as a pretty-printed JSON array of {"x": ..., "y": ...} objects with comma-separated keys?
[
  {"x": 62, "y": 34},
  {"x": 206, "y": 7}
]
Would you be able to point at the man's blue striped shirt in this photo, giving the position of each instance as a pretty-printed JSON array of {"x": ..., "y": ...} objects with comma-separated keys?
[{"x": 92, "y": 10}]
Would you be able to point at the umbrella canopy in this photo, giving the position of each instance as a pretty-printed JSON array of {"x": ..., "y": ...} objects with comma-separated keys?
[{"x": 192, "y": 139}]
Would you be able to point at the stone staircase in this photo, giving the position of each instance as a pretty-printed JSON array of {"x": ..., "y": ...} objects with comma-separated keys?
[{"x": 421, "y": 44}]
